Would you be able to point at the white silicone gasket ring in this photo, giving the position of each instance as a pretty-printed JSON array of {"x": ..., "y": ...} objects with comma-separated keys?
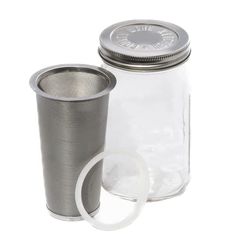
[{"x": 141, "y": 198}]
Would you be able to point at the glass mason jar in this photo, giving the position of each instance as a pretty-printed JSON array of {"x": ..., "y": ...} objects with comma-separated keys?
[{"x": 149, "y": 109}]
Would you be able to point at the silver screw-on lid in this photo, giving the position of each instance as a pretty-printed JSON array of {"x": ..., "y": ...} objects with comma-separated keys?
[{"x": 144, "y": 45}]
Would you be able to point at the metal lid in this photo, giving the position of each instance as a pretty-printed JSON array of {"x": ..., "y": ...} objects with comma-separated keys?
[{"x": 144, "y": 45}]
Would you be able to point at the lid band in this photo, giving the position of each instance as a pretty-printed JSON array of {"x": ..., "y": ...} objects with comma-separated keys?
[{"x": 142, "y": 65}]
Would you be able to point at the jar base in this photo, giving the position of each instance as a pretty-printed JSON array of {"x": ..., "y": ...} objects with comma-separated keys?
[{"x": 176, "y": 193}]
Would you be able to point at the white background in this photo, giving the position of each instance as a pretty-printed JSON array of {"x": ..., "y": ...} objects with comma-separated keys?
[{"x": 36, "y": 34}]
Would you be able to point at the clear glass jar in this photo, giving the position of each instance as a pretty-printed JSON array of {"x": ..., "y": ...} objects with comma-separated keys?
[{"x": 149, "y": 108}]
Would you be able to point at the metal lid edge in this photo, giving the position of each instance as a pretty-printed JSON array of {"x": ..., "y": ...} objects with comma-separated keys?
[{"x": 163, "y": 62}]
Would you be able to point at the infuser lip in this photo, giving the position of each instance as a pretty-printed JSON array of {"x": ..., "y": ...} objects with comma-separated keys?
[
  {"x": 100, "y": 72},
  {"x": 144, "y": 45}
]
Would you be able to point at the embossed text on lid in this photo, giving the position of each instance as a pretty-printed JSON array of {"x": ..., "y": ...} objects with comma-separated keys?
[{"x": 144, "y": 44}]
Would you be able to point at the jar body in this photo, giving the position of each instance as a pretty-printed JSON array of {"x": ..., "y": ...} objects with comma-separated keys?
[{"x": 149, "y": 114}]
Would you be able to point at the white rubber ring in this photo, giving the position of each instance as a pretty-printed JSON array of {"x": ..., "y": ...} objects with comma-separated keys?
[{"x": 143, "y": 182}]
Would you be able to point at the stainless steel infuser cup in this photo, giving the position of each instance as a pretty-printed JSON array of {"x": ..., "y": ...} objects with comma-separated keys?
[{"x": 72, "y": 110}]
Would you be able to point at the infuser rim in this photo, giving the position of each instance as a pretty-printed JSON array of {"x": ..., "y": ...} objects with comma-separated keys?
[{"x": 41, "y": 74}]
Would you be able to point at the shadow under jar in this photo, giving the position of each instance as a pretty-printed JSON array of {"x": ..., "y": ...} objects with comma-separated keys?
[{"x": 149, "y": 109}]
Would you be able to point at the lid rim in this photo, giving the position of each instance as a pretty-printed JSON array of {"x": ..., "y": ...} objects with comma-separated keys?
[{"x": 142, "y": 66}]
